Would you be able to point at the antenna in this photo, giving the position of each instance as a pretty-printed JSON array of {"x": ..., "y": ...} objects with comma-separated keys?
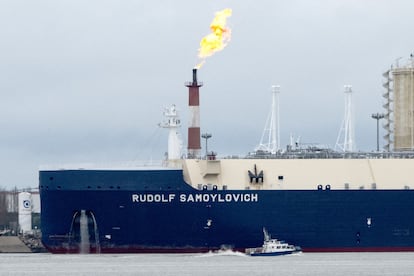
[
  {"x": 270, "y": 141},
  {"x": 346, "y": 132},
  {"x": 397, "y": 62}
]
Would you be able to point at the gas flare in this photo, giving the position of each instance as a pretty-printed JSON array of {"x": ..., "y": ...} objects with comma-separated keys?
[{"x": 218, "y": 38}]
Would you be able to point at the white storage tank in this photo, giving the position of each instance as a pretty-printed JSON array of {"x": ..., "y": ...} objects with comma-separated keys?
[{"x": 25, "y": 212}]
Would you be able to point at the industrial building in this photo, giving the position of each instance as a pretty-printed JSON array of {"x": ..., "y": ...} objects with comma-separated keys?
[
  {"x": 403, "y": 77},
  {"x": 399, "y": 106},
  {"x": 19, "y": 211}
]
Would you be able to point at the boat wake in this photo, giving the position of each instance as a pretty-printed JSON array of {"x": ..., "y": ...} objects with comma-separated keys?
[{"x": 218, "y": 253}]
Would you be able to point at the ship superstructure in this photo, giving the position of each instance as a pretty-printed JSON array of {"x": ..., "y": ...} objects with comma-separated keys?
[{"x": 172, "y": 122}]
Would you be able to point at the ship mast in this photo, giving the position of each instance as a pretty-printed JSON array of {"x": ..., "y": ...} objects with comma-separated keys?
[
  {"x": 270, "y": 141},
  {"x": 173, "y": 123},
  {"x": 346, "y": 132}
]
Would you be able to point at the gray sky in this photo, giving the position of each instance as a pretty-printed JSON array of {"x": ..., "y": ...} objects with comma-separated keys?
[{"x": 86, "y": 81}]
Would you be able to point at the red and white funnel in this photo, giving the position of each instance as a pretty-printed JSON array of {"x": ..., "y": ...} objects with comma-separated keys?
[{"x": 194, "y": 145}]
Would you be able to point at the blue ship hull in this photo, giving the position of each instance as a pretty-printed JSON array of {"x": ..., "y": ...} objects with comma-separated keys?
[{"x": 156, "y": 211}]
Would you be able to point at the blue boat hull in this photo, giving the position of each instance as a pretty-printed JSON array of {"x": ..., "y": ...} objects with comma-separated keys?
[{"x": 156, "y": 211}]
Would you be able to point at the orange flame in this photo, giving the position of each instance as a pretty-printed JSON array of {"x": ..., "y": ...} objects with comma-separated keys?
[{"x": 218, "y": 38}]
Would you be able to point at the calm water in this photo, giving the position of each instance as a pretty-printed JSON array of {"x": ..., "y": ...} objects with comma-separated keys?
[{"x": 209, "y": 264}]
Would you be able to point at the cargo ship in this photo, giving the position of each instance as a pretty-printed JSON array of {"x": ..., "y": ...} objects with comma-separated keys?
[{"x": 318, "y": 199}]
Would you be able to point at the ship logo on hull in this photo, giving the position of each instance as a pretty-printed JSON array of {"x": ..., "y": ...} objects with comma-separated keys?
[{"x": 256, "y": 176}]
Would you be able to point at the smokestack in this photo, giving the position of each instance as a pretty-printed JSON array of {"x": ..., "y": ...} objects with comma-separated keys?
[
  {"x": 195, "y": 76},
  {"x": 194, "y": 145}
]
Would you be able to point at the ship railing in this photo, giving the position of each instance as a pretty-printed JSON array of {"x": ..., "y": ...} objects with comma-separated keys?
[
  {"x": 111, "y": 165},
  {"x": 330, "y": 154}
]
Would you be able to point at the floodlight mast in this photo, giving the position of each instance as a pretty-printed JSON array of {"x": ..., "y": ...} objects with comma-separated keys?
[
  {"x": 378, "y": 116},
  {"x": 206, "y": 136}
]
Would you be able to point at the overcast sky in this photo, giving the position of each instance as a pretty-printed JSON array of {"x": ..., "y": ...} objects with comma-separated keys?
[{"x": 86, "y": 81}]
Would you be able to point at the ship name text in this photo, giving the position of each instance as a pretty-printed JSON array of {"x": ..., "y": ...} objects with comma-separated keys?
[{"x": 190, "y": 198}]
